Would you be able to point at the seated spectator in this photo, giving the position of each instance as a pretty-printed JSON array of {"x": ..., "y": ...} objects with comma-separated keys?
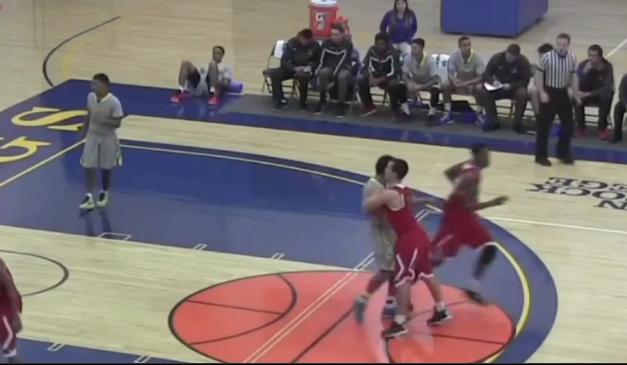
[
  {"x": 619, "y": 110},
  {"x": 421, "y": 74},
  {"x": 298, "y": 61},
  {"x": 465, "y": 71},
  {"x": 596, "y": 87},
  {"x": 382, "y": 68},
  {"x": 401, "y": 25},
  {"x": 509, "y": 72},
  {"x": 334, "y": 69},
  {"x": 213, "y": 81},
  {"x": 534, "y": 94}
]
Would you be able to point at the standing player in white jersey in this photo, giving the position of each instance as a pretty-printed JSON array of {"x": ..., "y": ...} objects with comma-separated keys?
[
  {"x": 102, "y": 148},
  {"x": 384, "y": 238}
]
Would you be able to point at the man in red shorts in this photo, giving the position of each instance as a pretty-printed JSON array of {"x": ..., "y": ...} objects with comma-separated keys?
[
  {"x": 413, "y": 259},
  {"x": 10, "y": 311},
  {"x": 460, "y": 224}
]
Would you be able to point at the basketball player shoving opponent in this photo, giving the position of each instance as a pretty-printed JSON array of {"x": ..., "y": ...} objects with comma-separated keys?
[
  {"x": 10, "y": 312},
  {"x": 384, "y": 238},
  {"x": 413, "y": 259},
  {"x": 460, "y": 223}
]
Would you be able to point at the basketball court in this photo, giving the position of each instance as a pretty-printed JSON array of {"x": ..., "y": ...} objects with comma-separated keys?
[{"x": 235, "y": 234}]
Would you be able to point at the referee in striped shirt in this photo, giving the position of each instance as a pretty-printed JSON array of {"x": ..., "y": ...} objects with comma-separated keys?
[{"x": 555, "y": 74}]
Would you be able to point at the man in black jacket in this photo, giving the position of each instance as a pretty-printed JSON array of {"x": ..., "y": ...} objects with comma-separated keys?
[
  {"x": 298, "y": 61},
  {"x": 334, "y": 69},
  {"x": 596, "y": 87},
  {"x": 382, "y": 68},
  {"x": 619, "y": 110},
  {"x": 509, "y": 73}
]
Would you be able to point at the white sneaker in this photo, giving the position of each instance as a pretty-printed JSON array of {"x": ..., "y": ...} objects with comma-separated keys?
[
  {"x": 103, "y": 199},
  {"x": 405, "y": 108},
  {"x": 88, "y": 203}
]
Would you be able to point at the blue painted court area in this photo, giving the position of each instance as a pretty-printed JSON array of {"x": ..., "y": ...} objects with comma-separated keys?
[
  {"x": 231, "y": 202},
  {"x": 234, "y": 203},
  {"x": 44, "y": 352}
]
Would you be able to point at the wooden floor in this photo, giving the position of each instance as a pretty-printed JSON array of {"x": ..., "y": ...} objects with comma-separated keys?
[{"x": 583, "y": 246}]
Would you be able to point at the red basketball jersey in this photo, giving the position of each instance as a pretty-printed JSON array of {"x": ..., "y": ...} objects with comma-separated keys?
[
  {"x": 403, "y": 220},
  {"x": 6, "y": 291}
]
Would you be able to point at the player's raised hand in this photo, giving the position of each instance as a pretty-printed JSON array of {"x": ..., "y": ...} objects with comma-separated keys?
[{"x": 501, "y": 200}]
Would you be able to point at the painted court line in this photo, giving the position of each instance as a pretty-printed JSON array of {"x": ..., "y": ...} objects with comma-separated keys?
[
  {"x": 557, "y": 225},
  {"x": 40, "y": 164},
  {"x": 115, "y": 236},
  {"x": 307, "y": 312},
  {"x": 617, "y": 48},
  {"x": 55, "y": 347},
  {"x": 141, "y": 359}
]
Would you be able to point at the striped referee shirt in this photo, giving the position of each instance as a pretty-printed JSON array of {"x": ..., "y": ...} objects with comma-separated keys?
[{"x": 558, "y": 70}]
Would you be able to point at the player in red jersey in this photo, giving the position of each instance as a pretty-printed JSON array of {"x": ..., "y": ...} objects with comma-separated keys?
[
  {"x": 413, "y": 259},
  {"x": 10, "y": 311},
  {"x": 460, "y": 224}
]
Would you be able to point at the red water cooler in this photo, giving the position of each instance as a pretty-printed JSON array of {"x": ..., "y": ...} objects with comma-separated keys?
[{"x": 322, "y": 14}]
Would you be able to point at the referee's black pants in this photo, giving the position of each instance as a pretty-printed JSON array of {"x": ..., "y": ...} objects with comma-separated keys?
[{"x": 560, "y": 104}]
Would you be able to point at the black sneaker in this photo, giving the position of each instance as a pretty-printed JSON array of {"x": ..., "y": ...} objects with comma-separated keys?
[
  {"x": 491, "y": 127},
  {"x": 567, "y": 160},
  {"x": 401, "y": 117},
  {"x": 395, "y": 330},
  {"x": 341, "y": 110},
  {"x": 304, "y": 107},
  {"x": 543, "y": 161},
  {"x": 439, "y": 317},
  {"x": 320, "y": 107},
  {"x": 280, "y": 105},
  {"x": 476, "y": 297},
  {"x": 359, "y": 307}
]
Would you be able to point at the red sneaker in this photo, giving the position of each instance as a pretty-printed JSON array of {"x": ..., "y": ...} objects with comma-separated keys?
[
  {"x": 179, "y": 96},
  {"x": 214, "y": 100},
  {"x": 369, "y": 110},
  {"x": 605, "y": 135}
]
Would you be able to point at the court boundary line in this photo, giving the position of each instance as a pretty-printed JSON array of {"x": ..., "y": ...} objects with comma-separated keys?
[
  {"x": 44, "y": 64},
  {"x": 557, "y": 225},
  {"x": 617, "y": 48},
  {"x": 41, "y": 163}
]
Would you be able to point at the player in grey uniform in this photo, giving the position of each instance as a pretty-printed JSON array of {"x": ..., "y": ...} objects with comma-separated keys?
[
  {"x": 102, "y": 148},
  {"x": 384, "y": 240}
]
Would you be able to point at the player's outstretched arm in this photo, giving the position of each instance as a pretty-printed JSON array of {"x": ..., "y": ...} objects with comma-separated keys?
[
  {"x": 452, "y": 172},
  {"x": 492, "y": 203}
]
